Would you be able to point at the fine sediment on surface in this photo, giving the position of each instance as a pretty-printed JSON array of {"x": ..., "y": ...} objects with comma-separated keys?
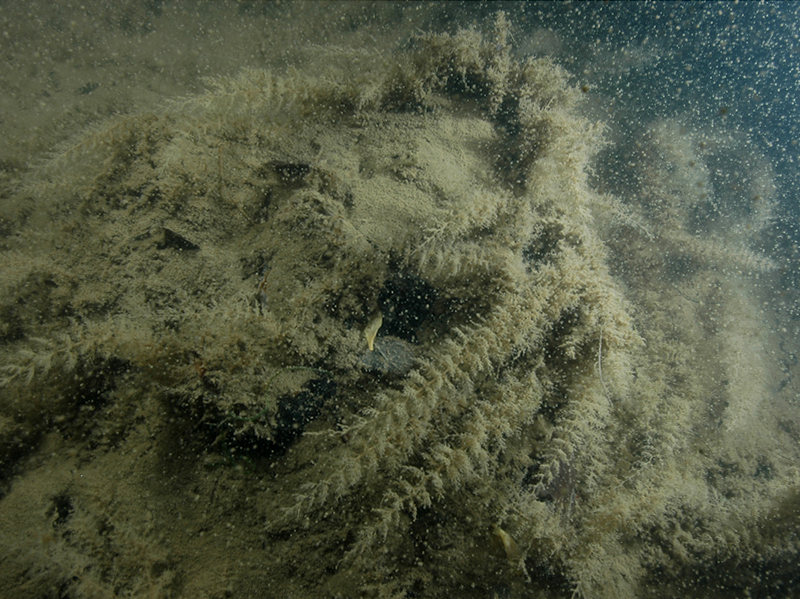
[{"x": 193, "y": 304}]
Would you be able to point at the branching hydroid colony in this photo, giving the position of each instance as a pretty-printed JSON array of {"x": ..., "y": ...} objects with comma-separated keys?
[{"x": 530, "y": 427}]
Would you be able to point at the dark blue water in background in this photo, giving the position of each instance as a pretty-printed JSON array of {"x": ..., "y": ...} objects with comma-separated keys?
[
  {"x": 733, "y": 65},
  {"x": 734, "y": 60}
]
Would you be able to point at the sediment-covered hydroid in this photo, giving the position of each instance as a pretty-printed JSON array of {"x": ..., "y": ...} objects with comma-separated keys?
[{"x": 535, "y": 426}]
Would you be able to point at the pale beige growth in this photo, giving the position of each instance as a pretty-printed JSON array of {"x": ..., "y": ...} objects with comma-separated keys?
[
  {"x": 371, "y": 330},
  {"x": 575, "y": 366}
]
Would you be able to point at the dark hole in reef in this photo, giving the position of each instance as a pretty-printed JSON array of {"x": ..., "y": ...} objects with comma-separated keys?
[
  {"x": 295, "y": 412},
  {"x": 94, "y": 386},
  {"x": 62, "y": 508},
  {"x": 291, "y": 173},
  {"x": 566, "y": 323},
  {"x": 405, "y": 303},
  {"x": 542, "y": 245},
  {"x": 176, "y": 241}
]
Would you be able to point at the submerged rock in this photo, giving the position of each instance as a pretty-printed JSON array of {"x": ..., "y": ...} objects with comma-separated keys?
[
  {"x": 517, "y": 391},
  {"x": 391, "y": 356}
]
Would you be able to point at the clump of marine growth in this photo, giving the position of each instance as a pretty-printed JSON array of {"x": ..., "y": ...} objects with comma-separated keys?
[{"x": 386, "y": 294}]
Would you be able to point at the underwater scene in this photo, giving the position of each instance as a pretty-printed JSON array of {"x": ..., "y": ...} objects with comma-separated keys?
[{"x": 399, "y": 300}]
